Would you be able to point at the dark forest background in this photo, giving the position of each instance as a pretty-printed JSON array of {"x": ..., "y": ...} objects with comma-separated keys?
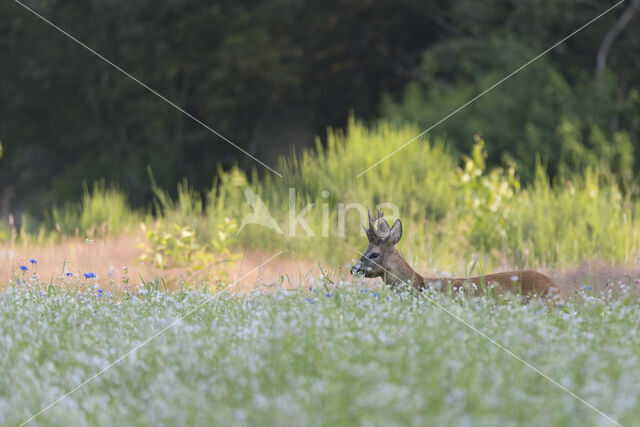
[{"x": 273, "y": 74}]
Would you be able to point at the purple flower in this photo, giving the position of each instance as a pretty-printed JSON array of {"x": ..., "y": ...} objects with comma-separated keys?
[
  {"x": 69, "y": 274},
  {"x": 23, "y": 268},
  {"x": 33, "y": 261},
  {"x": 90, "y": 275}
]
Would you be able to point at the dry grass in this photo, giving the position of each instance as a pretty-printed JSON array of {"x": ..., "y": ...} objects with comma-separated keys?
[
  {"x": 597, "y": 275},
  {"x": 99, "y": 256},
  {"x": 103, "y": 256},
  {"x": 112, "y": 254}
]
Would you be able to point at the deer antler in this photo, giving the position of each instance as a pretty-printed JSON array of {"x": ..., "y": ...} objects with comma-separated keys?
[
  {"x": 372, "y": 220},
  {"x": 383, "y": 229},
  {"x": 383, "y": 226}
]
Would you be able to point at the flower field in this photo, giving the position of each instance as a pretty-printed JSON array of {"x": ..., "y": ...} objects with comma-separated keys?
[{"x": 335, "y": 352}]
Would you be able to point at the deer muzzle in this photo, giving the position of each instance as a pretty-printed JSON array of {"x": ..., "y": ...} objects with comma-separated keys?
[{"x": 357, "y": 268}]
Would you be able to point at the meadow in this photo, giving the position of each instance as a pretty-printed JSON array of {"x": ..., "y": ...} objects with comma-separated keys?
[
  {"x": 335, "y": 352},
  {"x": 305, "y": 343}
]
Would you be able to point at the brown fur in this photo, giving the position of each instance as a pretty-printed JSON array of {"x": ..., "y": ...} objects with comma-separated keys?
[
  {"x": 527, "y": 282},
  {"x": 382, "y": 259}
]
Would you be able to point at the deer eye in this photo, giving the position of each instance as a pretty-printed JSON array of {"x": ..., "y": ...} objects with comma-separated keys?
[{"x": 374, "y": 255}]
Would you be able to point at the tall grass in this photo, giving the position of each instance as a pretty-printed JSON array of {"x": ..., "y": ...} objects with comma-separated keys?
[
  {"x": 575, "y": 221},
  {"x": 452, "y": 215},
  {"x": 101, "y": 211},
  {"x": 419, "y": 181}
]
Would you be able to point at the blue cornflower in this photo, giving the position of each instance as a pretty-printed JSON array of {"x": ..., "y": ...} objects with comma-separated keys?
[
  {"x": 589, "y": 288},
  {"x": 330, "y": 294},
  {"x": 69, "y": 274},
  {"x": 33, "y": 261},
  {"x": 23, "y": 268},
  {"x": 90, "y": 275},
  {"x": 375, "y": 295}
]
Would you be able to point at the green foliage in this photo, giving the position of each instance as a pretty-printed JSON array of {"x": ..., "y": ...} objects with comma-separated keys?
[
  {"x": 580, "y": 219},
  {"x": 183, "y": 237},
  {"x": 256, "y": 72},
  {"x": 583, "y": 147},
  {"x": 4, "y": 232},
  {"x": 450, "y": 214},
  {"x": 585, "y": 218},
  {"x": 419, "y": 181},
  {"x": 174, "y": 246},
  {"x": 488, "y": 200},
  {"x": 569, "y": 122},
  {"x": 101, "y": 211},
  {"x": 272, "y": 73},
  {"x": 426, "y": 166}
]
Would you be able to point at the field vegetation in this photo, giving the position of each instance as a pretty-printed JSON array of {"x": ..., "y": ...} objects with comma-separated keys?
[
  {"x": 315, "y": 346},
  {"x": 332, "y": 352},
  {"x": 456, "y": 211}
]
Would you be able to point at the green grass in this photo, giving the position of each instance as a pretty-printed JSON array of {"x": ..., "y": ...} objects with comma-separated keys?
[
  {"x": 450, "y": 214},
  {"x": 102, "y": 211},
  {"x": 359, "y": 356}
]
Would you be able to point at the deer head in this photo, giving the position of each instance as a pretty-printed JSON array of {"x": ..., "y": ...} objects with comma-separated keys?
[{"x": 381, "y": 255}]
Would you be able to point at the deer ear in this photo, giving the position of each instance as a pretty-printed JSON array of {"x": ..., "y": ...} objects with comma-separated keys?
[{"x": 396, "y": 232}]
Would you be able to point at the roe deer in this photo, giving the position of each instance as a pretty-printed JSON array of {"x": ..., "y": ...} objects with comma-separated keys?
[{"x": 381, "y": 259}]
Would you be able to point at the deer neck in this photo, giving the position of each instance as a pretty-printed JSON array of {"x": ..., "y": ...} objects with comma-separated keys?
[{"x": 399, "y": 271}]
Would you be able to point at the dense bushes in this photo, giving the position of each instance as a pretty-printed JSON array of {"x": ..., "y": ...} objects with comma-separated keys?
[{"x": 536, "y": 114}]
